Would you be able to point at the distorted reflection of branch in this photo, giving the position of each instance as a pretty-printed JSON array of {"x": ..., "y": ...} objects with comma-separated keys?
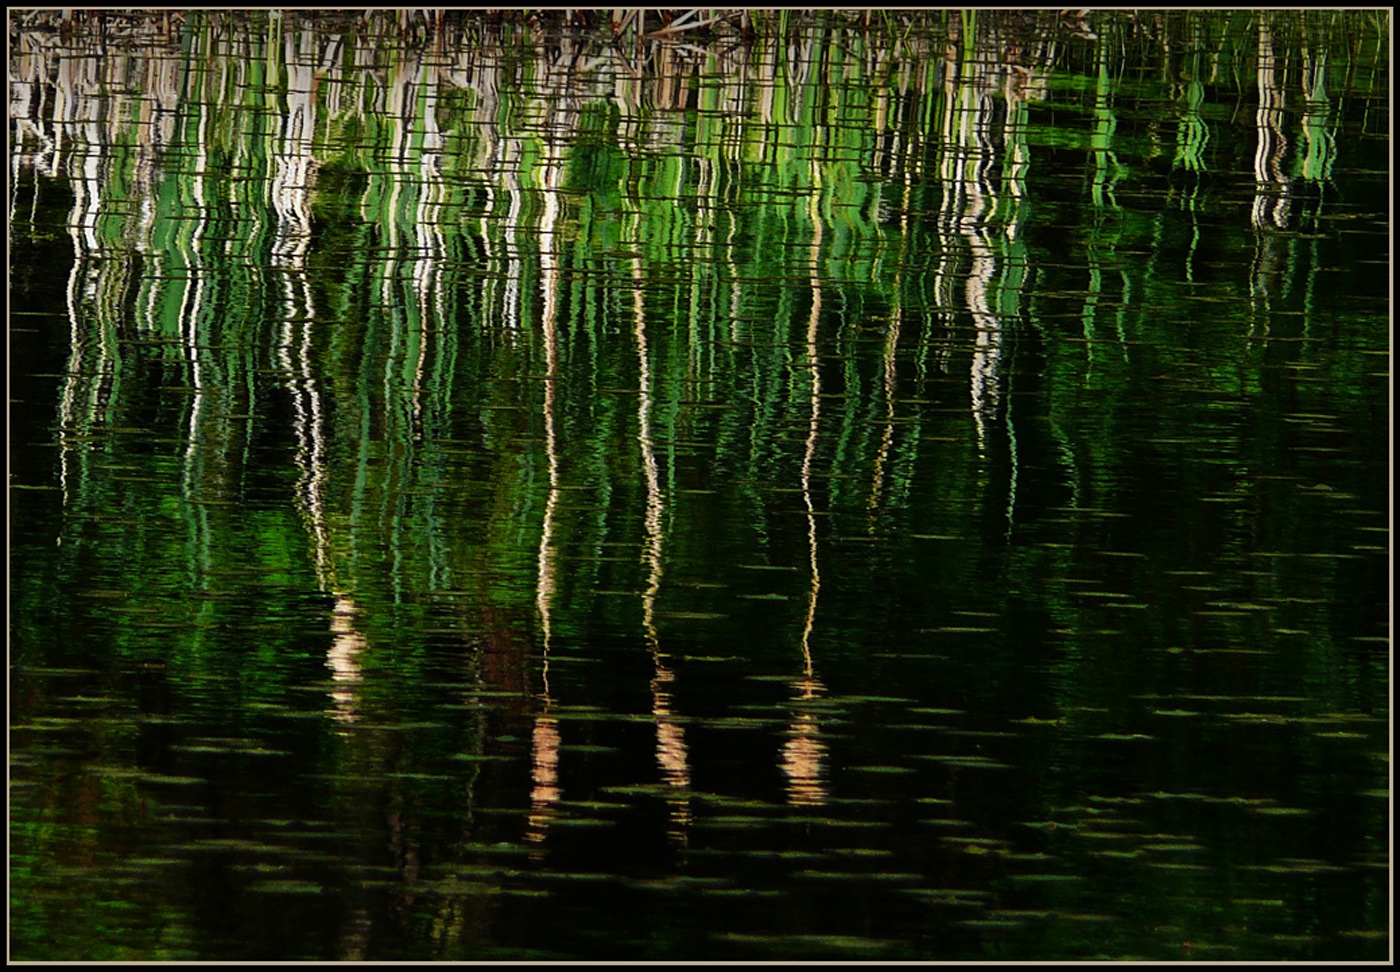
[
  {"x": 896, "y": 317},
  {"x": 671, "y": 754}
]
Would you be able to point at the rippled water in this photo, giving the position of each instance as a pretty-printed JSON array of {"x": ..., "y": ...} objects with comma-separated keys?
[{"x": 856, "y": 488}]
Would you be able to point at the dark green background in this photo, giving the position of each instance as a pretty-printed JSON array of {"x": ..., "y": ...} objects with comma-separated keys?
[{"x": 948, "y": 394}]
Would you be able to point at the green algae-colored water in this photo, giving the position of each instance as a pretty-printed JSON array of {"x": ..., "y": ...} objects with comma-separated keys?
[{"x": 890, "y": 486}]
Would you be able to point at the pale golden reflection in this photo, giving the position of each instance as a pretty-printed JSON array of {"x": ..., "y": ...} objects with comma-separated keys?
[
  {"x": 544, "y": 774},
  {"x": 1272, "y": 186},
  {"x": 983, "y": 166},
  {"x": 343, "y": 660},
  {"x": 671, "y": 753},
  {"x": 896, "y": 316},
  {"x": 803, "y": 758},
  {"x": 651, "y": 550},
  {"x": 291, "y": 181}
]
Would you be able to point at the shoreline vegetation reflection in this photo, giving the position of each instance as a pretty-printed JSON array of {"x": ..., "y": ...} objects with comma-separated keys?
[{"x": 785, "y": 385}]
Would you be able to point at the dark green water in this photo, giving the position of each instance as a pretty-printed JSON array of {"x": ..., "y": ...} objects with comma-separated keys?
[{"x": 863, "y": 493}]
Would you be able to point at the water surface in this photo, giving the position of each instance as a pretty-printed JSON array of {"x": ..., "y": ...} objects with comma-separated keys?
[{"x": 857, "y": 488}]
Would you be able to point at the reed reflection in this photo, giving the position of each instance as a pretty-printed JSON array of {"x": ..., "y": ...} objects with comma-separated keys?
[
  {"x": 545, "y": 738},
  {"x": 671, "y": 754},
  {"x": 803, "y": 756}
]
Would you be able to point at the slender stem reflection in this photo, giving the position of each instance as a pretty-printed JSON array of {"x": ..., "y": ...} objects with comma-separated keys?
[
  {"x": 545, "y": 739},
  {"x": 671, "y": 754},
  {"x": 804, "y": 754}
]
